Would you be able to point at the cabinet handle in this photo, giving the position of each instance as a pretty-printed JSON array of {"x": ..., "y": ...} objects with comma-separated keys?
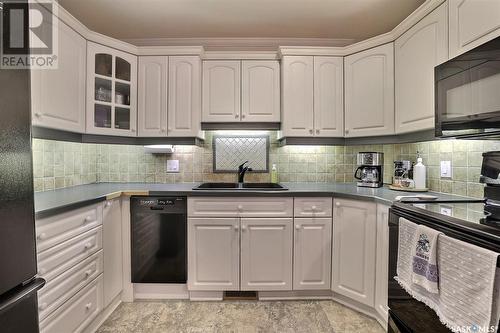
[
  {"x": 88, "y": 273},
  {"x": 311, "y": 131},
  {"x": 38, "y": 114},
  {"x": 243, "y": 116},
  {"x": 337, "y": 204},
  {"x": 346, "y": 131},
  {"x": 87, "y": 219},
  {"x": 41, "y": 236},
  {"x": 243, "y": 228},
  {"x": 108, "y": 203},
  {"x": 313, "y": 208},
  {"x": 42, "y": 271},
  {"x": 297, "y": 226},
  {"x": 317, "y": 131},
  {"x": 240, "y": 208},
  {"x": 163, "y": 129},
  {"x": 132, "y": 130},
  {"x": 236, "y": 116},
  {"x": 88, "y": 306},
  {"x": 170, "y": 128},
  {"x": 88, "y": 246},
  {"x": 42, "y": 306},
  {"x": 236, "y": 228}
]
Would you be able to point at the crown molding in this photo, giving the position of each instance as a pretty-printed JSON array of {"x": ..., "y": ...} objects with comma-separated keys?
[
  {"x": 170, "y": 50},
  {"x": 239, "y": 44},
  {"x": 241, "y": 55}
]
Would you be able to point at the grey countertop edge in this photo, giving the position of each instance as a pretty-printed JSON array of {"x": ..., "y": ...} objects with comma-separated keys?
[{"x": 55, "y": 202}]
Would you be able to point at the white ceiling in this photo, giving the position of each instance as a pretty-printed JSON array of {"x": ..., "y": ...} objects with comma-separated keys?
[{"x": 324, "y": 19}]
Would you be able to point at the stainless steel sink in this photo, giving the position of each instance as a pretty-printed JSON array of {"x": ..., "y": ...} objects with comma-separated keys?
[{"x": 244, "y": 186}]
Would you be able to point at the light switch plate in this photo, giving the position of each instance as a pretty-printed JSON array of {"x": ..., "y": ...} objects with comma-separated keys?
[
  {"x": 446, "y": 169},
  {"x": 172, "y": 165}
]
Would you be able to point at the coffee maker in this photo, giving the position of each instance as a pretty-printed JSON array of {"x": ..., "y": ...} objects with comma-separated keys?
[{"x": 370, "y": 169}]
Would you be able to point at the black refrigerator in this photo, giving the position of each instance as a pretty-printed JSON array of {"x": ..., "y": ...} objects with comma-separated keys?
[{"x": 18, "y": 281}]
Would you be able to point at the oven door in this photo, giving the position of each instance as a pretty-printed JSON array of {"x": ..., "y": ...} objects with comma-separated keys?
[
  {"x": 406, "y": 314},
  {"x": 466, "y": 93}
]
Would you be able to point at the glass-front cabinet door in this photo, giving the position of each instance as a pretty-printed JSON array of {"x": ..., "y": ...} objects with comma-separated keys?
[{"x": 111, "y": 91}]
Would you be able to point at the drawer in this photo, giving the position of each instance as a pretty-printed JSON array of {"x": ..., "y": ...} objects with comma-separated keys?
[
  {"x": 61, "y": 257},
  {"x": 66, "y": 285},
  {"x": 313, "y": 207},
  {"x": 57, "y": 229},
  {"x": 77, "y": 312},
  {"x": 240, "y": 207}
]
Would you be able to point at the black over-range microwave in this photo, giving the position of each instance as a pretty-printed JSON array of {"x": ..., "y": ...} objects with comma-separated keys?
[{"x": 467, "y": 93}]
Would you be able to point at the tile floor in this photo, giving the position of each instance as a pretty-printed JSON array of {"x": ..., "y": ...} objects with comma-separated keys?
[{"x": 237, "y": 317}]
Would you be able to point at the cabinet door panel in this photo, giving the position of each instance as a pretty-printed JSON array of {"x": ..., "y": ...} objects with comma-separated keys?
[
  {"x": 382, "y": 271},
  {"x": 369, "y": 92},
  {"x": 112, "y": 249},
  {"x": 328, "y": 96},
  {"x": 260, "y": 91},
  {"x": 58, "y": 95},
  {"x": 354, "y": 248},
  {"x": 298, "y": 94},
  {"x": 266, "y": 254},
  {"x": 221, "y": 91},
  {"x": 417, "y": 52},
  {"x": 213, "y": 254},
  {"x": 152, "y": 110},
  {"x": 184, "y": 101},
  {"x": 472, "y": 23},
  {"x": 312, "y": 253}
]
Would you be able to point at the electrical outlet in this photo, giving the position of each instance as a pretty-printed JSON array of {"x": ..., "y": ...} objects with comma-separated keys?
[
  {"x": 172, "y": 165},
  {"x": 446, "y": 169}
]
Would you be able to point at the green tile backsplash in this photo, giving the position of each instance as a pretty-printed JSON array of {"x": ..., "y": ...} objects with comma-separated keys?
[{"x": 63, "y": 164}]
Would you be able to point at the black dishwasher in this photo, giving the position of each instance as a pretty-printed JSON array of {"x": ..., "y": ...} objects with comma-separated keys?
[{"x": 159, "y": 239}]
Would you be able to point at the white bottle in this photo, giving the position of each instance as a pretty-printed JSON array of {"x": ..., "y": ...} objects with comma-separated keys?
[{"x": 419, "y": 173}]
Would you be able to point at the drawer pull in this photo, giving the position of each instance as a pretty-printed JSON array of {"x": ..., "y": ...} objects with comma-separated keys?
[
  {"x": 41, "y": 236},
  {"x": 236, "y": 228},
  {"x": 88, "y": 306},
  {"x": 42, "y": 306},
  {"x": 108, "y": 203},
  {"x": 88, "y": 273},
  {"x": 243, "y": 228},
  {"x": 240, "y": 208},
  {"x": 337, "y": 204},
  {"x": 41, "y": 271},
  {"x": 88, "y": 246},
  {"x": 87, "y": 219},
  {"x": 314, "y": 208},
  {"x": 297, "y": 227}
]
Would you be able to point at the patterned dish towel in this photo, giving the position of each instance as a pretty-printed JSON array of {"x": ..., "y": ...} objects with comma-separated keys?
[
  {"x": 469, "y": 282},
  {"x": 424, "y": 258}
]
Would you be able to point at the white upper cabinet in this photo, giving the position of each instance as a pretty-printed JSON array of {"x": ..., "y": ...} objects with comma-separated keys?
[
  {"x": 260, "y": 91},
  {"x": 111, "y": 91},
  {"x": 354, "y": 249},
  {"x": 369, "y": 92},
  {"x": 152, "y": 91},
  {"x": 472, "y": 23},
  {"x": 328, "y": 96},
  {"x": 184, "y": 96},
  {"x": 221, "y": 91},
  {"x": 312, "y": 257},
  {"x": 58, "y": 95},
  {"x": 417, "y": 52},
  {"x": 298, "y": 95}
]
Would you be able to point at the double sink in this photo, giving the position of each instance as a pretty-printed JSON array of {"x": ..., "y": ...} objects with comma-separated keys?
[{"x": 241, "y": 186}]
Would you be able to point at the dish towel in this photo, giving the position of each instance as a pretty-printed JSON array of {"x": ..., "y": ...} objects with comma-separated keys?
[
  {"x": 469, "y": 282},
  {"x": 424, "y": 258}
]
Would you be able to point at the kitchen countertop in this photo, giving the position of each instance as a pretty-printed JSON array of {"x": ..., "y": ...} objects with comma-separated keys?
[{"x": 57, "y": 201}]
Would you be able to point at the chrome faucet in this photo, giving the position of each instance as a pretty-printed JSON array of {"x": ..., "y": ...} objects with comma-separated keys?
[{"x": 242, "y": 169}]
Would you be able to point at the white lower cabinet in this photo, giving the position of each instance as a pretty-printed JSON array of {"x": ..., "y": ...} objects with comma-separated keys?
[
  {"x": 213, "y": 254},
  {"x": 77, "y": 312},
  {"x": 312, "y": 253},
  {"x": 354, "y": 250},
  {"x": 382, "y": 270},
  {"x": 266, "y": 253},
  {"x": 112, "y": 249}
]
